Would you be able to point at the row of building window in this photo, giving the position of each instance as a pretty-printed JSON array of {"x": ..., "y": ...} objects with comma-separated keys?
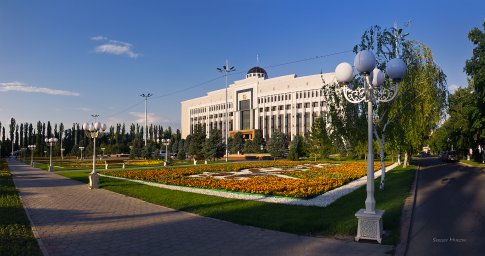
[
  {"x": 271, "y": 123},
  {"x": 210, "y": 108},
  {"x": 283, "y": 97}
]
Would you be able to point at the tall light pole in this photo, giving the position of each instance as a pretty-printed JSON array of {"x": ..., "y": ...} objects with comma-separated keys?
[
  {"x": 32, "y": 148},
  {"x": 146, "y": 96},
  {"x": 50, "y": 142},
  {"x": 370, "y": 219},
  {"x": 226, "y": 69},
  {"x": 94, "y": 131}
]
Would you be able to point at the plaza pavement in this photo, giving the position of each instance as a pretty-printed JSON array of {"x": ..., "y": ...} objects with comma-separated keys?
[{"x": 70, "y": 219}]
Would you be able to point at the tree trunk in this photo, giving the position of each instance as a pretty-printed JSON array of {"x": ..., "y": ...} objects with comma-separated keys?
[
  {"x": 406, "y": 159},
  {"x": 383, "y": 165}
]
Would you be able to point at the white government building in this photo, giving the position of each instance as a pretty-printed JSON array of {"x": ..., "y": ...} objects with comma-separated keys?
[{"x": 287, "y": 103}]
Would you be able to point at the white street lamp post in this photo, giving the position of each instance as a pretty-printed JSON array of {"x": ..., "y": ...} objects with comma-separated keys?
[
  {"x": 81, "y": 148},
  {"x": 103, "y": 152},
  {"x": 32, "y": 148},
  {"x": 62, "y": 153},
  {"x": 94, "y": 131},
  {"x": 370, "y": 219},
  {"x": 50, "y": 142},
  {"x": 165, "y": 142},
  {"x": 226, "y": 69}
]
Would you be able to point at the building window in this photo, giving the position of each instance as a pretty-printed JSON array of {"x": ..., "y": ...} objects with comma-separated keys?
[
  {"x": 266, "y": 109},
  {"x": 280, "y": 107},
  {"x": 260, "y": 109},
  {"x": 307, "y": 105},
  {"x": 288, "y": 106},
  {"x": 298, "y": 105},
  {"x": 244, "y": 106},
  {"x": 273, "y": 108}
]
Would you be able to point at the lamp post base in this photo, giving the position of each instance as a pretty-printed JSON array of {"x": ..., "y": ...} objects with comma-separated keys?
[
  {"x": 93, "y": 181},
  {"x": 370, "y": 225},
  {"x": 51, "y": 168}
]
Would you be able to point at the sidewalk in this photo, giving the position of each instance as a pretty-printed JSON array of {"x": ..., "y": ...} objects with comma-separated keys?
[{"x": 70, "y": 219}]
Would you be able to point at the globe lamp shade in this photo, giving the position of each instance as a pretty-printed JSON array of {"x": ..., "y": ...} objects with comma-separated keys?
[
  {"x": 86, "y": 126},
  {"x": 103, "y": 127},
  {"x": 396, "y": 69},
  {"x": 365, "y": 62},
  {"x": 344, "y": 73},
  {"x": 377, "y": 77}
]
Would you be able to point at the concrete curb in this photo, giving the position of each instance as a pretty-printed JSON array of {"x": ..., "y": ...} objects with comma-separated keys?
[{"x": 407, "y": 217}]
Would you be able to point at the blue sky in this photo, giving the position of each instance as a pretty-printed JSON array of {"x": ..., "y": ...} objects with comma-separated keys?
[{"x": 65, "y": 60}]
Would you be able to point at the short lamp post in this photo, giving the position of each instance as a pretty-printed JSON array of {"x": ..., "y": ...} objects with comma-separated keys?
[
  {"x": 373, "y": 91},
  {"x": 165, "y": 142},
  {"x": 94, "y": 131},
  {"x": 62, "y": 153},
  {"x": 32, "y": 148},
  {"x": 102, "y": 149},
  {"x": 81, "y": 148},
  {"x": 50, "y": 142}
]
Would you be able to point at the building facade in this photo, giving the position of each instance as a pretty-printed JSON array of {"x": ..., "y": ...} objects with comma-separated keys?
[{"x": 288, "y": 104}]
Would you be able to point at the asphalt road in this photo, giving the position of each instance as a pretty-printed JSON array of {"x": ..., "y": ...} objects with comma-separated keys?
[{"x": 449, "y": 218}]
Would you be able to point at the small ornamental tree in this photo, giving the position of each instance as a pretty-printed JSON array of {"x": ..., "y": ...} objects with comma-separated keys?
[
  {"x": 213, "y": 147},
  {"x": 277, "y": 144},
  {"x": 197, "y": 142},
  {"x": 297, "y": 148}
]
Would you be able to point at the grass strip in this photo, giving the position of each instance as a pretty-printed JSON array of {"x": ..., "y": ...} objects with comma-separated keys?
[
  {"x": 16, "y": 237},
  {"x": 335, "y": 220}
]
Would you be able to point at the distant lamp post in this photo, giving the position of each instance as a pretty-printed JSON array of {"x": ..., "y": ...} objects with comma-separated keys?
[
  {"x": 94, "y": 131},
  {"x": 32, "y": 148},
  {"x": 370, "y": 219},
  {"x": 102, "y": 149},
  {"x": 146, "y": 96},
  {"x": 226, "y": 69},
  {"x": 22, "y": 150},
  {"x": 81, "y": 148},
  {"x": 165, "y": 142},
  {"x": 50, "y": 142},
  {"x": 62, "y": 153}
]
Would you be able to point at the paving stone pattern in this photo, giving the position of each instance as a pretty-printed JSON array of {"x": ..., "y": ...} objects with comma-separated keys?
[{"x": 70, "y": 219}]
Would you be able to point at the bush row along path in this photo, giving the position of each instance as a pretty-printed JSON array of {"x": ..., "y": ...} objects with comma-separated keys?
[{"x": 71, "y": 219}]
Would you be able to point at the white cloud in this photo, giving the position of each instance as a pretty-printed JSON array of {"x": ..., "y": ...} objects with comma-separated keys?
[
  {"x": 140, "y": 117},
  {"x": 452, "y": 88},
  {"x": 21, "y": 87},
  {"x": 84, "y": 109},
  {"x": 114, "y": 47},
  {"x": 99, "y": 38}
]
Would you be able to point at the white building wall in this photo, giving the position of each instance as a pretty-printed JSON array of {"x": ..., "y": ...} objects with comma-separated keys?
[{"x": 303, "y": 95}]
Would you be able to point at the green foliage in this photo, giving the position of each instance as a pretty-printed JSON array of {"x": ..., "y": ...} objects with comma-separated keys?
[
  {"x": 197, "y": 141},
  {"x": 16, "y": 237},
  {"x": 475, "y": 68},
  {"x": 214, "y": 147},
  {"x": 237, "y": 144},
  {"x": 297, "y": 148},
  {"x": 319, "y": 142},
  {"x": 277, "y": 144},
  {"x": 181, "y": 155}
]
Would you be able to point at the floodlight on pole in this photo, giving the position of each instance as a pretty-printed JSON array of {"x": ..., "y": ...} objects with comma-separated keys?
[
  {"x": 226, "y": 69},
  {"x": 146, "y": 96}
]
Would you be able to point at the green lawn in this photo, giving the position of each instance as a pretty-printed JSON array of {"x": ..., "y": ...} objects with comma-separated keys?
[
  {"x": 16, "y": 237},
  {"x": 335, "y": 220},
  {"x": 473, "y": 163}
]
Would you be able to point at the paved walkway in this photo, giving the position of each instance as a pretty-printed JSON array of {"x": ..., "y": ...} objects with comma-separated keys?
[{"x": 72, "y": 220}]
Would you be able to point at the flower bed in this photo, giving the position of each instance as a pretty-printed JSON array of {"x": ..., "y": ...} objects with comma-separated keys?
[{"x": 310, "y": 182}]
